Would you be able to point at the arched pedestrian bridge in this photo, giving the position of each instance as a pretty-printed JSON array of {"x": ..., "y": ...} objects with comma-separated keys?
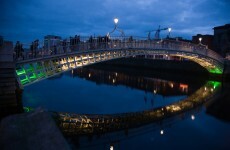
[{"x": 45, "y": 61}]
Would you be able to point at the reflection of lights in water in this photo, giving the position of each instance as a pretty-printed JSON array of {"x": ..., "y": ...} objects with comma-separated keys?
[
  {"x": 171, "y": 85},
  {"x": 162, "y": 132},
  {"x": 116, "y": 74},
  {"x": 114, "y": 80},
  {"x": 184, "y": 87},
  {"x": 89, "y": 75},
  {"x": 154, "y": 91},
  {"x": 72, "y": 71},
  {"x": 109, "y": 76},
  {"x": 111, "y": 147},
  {"x": 192, "y": 117}
]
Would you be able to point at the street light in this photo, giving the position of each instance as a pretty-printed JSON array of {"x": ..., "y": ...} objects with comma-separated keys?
[
  {"x": 169, "y": 29},
  {"x": 200, "y": 39},
  {"x": 116, "y": 21},
  {"x": 116, "y": 28}
]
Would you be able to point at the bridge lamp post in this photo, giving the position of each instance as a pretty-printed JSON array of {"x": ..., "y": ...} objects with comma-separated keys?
[
  {"x": 115, "y": 20},
  {"x": 200, "y": 39},
  {"x": 169, "y": 29}
]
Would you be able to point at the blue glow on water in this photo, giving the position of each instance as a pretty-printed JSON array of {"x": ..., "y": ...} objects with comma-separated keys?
[{"x": 78, "y": 95}]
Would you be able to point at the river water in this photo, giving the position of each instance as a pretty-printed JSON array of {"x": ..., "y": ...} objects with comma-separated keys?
[{"x": 96, "y": 90}]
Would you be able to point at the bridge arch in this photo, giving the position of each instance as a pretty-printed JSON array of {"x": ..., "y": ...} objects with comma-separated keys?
[{"x": 46, "y": 64}]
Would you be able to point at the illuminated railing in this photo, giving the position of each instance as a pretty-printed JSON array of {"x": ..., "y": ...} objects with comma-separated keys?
[
  {"x": 85, "y": 44},
  {"x": 98, "y": 123}
]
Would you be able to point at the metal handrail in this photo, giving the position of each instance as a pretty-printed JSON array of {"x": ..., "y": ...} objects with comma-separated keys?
[{"x": 105, "y": 43}]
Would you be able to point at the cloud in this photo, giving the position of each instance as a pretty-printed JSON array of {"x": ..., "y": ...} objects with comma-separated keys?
[{"x": 31, "y": 19}]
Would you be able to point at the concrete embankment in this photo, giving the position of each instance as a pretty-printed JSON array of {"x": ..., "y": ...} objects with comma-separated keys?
[{"x": 34, "y": 130}]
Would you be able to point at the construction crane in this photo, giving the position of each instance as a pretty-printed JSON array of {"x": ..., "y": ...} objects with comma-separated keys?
[{"x": 157, "y": 32}]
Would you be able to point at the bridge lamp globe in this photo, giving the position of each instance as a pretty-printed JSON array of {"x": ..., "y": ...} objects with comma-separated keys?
[
  {"x": 116, "y": 21},
  {"x": 200, "y": 39},
  {"x": 169, "y": 29}
]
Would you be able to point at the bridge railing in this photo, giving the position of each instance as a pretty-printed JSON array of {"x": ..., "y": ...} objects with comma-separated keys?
[{"x": 43, "y": 49}]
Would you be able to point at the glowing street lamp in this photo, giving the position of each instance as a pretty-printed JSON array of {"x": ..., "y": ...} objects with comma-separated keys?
[
  {"x": 200, "y": 39},
  {"x": 169, "y": 29},
  {"x": 116, "y": 28},
  {"x": 116, "y": 21}
]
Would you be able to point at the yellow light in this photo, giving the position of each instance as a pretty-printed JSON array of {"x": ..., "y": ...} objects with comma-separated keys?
[{"x": 89, "y": 75}]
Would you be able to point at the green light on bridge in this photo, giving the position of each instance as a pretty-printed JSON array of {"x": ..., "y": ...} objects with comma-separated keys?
[
  {"x": 28, "y": 109},
  {"x": 216, "y": 71},
  {"x": 24, "y": 81},
  {"x": 215, "y": 84},
  {"x": 20, "y": 72}
]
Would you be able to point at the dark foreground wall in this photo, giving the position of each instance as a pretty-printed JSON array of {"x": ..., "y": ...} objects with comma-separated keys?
[{"x": 8, "y": 84}]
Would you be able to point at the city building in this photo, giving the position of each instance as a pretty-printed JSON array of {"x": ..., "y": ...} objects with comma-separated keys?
[
  {"x": 180, "y": 39},
  {"x": 221, "y": 41},
  {"x": 52, "y": 40}
]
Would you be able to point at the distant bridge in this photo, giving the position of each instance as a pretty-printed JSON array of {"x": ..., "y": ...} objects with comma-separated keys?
[{"x": 43, "y": 62}]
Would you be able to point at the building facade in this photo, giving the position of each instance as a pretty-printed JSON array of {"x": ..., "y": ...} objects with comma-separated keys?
[
  {"x": 51, "y": 41},
  {"x": 221, "y": 41}
]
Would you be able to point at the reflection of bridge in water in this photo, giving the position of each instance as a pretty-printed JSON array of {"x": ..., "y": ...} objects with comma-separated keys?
[
  {"x": 153, "y": 85},
  {"x": 42, "y": 63},
  {"x": 101, "y": 123}
]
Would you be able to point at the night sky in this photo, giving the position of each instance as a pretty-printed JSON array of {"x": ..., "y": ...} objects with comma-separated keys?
[{"x": 27, "y": 20}]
